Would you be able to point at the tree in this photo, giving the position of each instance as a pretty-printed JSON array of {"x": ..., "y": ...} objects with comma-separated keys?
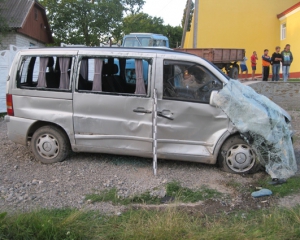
[
  {"x": 191, "y": 15},
  {"x": 133, "y": 6},
  {"x": 142, "y": 22},
  {"x": 83, "y": 21},
  {"x": 174, "y": 34}
]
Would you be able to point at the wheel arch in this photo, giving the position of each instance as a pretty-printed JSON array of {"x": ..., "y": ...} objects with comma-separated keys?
[
  {"x": 221, "y": 141},
  {"x": 40, "y": 124}
]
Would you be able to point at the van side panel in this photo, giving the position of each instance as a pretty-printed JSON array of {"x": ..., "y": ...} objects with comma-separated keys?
[
  {"x": 17, "y": 129},
  {"x": 52, "y": 110}
]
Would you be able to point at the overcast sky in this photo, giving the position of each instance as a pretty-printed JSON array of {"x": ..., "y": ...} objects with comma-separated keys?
[{"x": 171, "y": 11}]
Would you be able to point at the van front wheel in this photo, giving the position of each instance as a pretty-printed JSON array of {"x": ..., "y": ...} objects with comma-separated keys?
[
  {"x": 236, "y": 156},
  {"x": 49, "y": 144}
]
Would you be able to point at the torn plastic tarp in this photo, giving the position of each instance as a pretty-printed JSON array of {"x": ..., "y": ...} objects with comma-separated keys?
[{"x": 263, "y": 124}]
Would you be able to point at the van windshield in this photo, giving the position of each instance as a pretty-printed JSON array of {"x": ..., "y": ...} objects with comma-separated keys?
[{"x": 144, "y": 42}]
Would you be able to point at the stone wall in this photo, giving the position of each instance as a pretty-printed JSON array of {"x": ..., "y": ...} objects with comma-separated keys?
[{"x": 286, "y": 95}]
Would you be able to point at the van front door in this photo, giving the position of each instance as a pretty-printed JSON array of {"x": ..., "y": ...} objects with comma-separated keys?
[
  {"x": 188, "y": 127},
  {"x": 117, "y": 117}
]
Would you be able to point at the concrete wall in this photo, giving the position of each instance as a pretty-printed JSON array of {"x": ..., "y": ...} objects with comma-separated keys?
[{"x": 286, "y": 95}]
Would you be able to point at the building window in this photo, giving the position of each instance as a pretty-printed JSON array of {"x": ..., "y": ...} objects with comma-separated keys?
[
  {"x": 283, "y": 31},
  {"x": 35, "y": 14}
]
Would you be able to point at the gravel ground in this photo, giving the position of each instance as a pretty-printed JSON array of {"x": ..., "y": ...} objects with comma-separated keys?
[{"x": 26, "y": 184}]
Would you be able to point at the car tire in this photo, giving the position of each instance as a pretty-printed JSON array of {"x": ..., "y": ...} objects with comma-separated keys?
[
  {"x": 50, "y": 144},
  {"x": 237, "y": 156}
]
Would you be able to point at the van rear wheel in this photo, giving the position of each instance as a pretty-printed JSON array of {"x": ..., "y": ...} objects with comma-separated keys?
[
  {"x": 237, "y": 156},
  {"x": 49, "y": 144}
]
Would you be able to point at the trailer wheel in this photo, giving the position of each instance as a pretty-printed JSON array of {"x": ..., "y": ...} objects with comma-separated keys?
[{"x": 234, "y": 72}]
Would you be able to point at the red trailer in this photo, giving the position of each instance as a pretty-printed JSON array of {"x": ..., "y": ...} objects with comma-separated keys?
[{"x": 224, "y": 58}]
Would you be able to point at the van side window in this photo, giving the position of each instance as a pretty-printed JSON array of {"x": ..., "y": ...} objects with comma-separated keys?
[
  {"x": 185, "y": 81},
  {"x": 45, "y": 73},
  {"x": 114, "y": 75}
]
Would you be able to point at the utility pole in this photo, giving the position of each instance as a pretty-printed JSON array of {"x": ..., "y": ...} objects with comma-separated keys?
[
  {"x": 196, "y": 11},
  {"x": 186, "y": 21}
]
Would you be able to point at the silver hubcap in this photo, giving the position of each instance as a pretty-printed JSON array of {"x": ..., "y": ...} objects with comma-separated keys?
[
  {"x": 47, "y": 146},
  {"x": 240, "y": 158}
]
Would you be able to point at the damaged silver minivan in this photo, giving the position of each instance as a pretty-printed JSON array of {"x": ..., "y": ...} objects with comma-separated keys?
[{"x": 91, "y": 100}]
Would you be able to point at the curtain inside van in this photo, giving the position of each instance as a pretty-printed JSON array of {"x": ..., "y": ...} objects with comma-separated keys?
[
  {"x": 64, "y": 77},
  {"x": 97, "y": 81},
  {"x": 42, "y": 72},
  {"x": 140, "y": 84}
]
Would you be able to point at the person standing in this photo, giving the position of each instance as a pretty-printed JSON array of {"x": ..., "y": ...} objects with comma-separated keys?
[
  {"x": 276, "y": 59},
  {"x": 253, "y": 64},
  {"x": 244, "y": 67},
  {"x": 266, "y": 62},
  {"x": 287, "y": 59}
]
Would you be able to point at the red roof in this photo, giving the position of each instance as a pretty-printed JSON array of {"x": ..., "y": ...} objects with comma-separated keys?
[{"x": 292, "y": 8}]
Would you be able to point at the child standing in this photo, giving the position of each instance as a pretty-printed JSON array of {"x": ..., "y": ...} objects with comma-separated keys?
[
  {"x": 266, "y": 62},
  {"x": 244, "y": 67},
  {"x": 253, "y": 64},
  {"x": 276, "y": 58}
]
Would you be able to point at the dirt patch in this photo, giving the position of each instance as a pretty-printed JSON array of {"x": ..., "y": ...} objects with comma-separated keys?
[{"x": 289, "y": 201}]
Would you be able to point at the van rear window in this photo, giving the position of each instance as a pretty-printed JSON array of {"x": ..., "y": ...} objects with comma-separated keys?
[{"x": 45, "y": 72}]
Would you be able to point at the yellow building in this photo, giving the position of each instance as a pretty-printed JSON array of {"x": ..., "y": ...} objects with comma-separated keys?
[{"x": 253, "y": 25}]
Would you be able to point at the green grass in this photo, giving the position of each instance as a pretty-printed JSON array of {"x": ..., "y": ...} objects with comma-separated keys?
[
  {"x": 173, "y": 190},
  {"x": 142, "y": 224},
  {"x": 234, "y": 184},
  {"x": 112, "y": 196},
  {"x": 290, "y": 187},
  {"x": 46, "y": 224},
  {"x": 182, "y": 194},
  {"x": 294, "y": 80}
]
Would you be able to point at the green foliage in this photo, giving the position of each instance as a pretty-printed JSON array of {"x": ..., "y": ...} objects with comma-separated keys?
[
  {"x": 294, "y": 80},
  {"x": 290, "y": 187},
  {"x": 83, "y": 22},
  {"x": 190, "y": 15},
  {"x": 133, "y": 6},
  {"x": 174, "y": 34},
  {"x": 174, "y": 189},
  {"x": 91, "y": 22},
  {"x": 46, "y": 224},
  {"x": 112, "y": 196},
  {"x": 170, "y": 223},
  {"x": 142, "y": 22}
]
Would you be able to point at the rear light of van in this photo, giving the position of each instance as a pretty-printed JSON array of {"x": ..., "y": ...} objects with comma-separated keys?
[{"x": 9, "y": 105}]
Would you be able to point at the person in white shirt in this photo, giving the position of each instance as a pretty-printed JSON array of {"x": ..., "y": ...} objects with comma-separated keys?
[{"x": 244, "y": 67}]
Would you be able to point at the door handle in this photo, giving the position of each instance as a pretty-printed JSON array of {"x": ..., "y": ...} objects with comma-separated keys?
[
  {"x": 141, "y": 110},
  {"x": 165, "y": 114}
]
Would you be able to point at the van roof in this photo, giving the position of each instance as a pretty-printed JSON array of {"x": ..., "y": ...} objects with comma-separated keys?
[{"x": 111, "y": 49}]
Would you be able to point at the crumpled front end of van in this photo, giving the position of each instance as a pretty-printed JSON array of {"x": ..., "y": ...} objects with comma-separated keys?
[{"x": 263, "y": 124}]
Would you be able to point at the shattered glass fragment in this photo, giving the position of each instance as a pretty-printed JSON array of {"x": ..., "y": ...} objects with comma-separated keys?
[{"x": 263, "y": 124}]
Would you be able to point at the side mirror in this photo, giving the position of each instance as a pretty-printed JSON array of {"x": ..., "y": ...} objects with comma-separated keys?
[{"x": 212, "y": 95}]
